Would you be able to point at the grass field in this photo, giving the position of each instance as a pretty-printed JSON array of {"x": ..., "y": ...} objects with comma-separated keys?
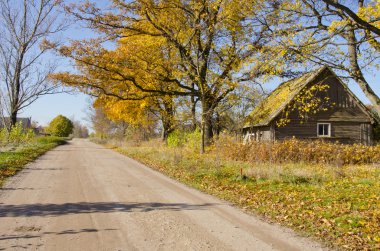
[
  {"x": 13, "y": 159},
  {"x": 339, "y": 205}
]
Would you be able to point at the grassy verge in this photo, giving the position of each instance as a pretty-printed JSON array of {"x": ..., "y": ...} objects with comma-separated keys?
[
  {"x": 13, "y": 160},
  {"x": 339, "y": 205}
]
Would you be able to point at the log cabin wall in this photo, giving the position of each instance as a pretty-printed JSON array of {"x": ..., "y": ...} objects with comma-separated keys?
[
  {"x": 342, "y": 132},
  {"x": 306, "y": 130}
]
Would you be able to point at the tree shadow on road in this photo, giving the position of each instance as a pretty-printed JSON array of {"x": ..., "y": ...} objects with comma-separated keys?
[
  {"x": 28, "y": 210},
  {"x": 16, "y": 188}
]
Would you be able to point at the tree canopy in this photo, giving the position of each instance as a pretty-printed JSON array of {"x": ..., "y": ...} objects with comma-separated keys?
[
  {"x": 60, "y": 126},
  {"x": 176, "y": 48}
]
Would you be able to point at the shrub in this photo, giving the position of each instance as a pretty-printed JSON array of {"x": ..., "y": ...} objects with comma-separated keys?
[
  {"x": 60, "y": 126},
  {"x": 176, "y": 139},
  {"x": 190, "y": 140},
  {"x": 28, "y": 135},
  {"x": 194, "y": 140},
  {"x": 16, "y": 135}
]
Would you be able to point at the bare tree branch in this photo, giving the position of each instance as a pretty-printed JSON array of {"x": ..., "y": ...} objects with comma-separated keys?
[{"x": 24, "y": 27}]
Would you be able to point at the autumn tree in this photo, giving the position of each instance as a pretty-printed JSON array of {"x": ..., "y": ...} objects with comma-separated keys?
[
  {"x": 327, "y": 33},
  {"x": 126, "y": 89},
  {"x": 205, "y": 49},
  {"x": 60, "y": 126},
  {"x": 24, "y": 27},
  {"x": 143, "y": 113},
  {"x": 103, "y": 126},
  {"x": 365, "y": 14}
]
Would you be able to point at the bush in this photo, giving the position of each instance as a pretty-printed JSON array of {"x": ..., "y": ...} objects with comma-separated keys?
[
  {"x": 16, "y": 135},
  {"x": 60, "y": 126},
  {"x": 194, "y": 140},
  {"x": 190, "y": 140},
  {"x": 176, "y": 139}
]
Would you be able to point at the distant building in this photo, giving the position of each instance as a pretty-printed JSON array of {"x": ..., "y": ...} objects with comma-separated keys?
[{"x": 347, "y": 121}]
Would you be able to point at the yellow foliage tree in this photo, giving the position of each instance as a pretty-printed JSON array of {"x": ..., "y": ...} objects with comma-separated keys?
[
  {"x": 143, "y": 113},
  {"x": 203, "y": 49},
  {"x": 340, "y": 34},
  {"x": 366, "y": 14}
]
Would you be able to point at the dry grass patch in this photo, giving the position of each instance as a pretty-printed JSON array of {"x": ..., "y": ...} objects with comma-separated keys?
[{"x": 293, "y": 150}]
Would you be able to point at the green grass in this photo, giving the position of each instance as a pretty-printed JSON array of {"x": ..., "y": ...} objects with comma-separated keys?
[
  {"x": 338, "y": 205},
  {"x": 13, "y": 160}
]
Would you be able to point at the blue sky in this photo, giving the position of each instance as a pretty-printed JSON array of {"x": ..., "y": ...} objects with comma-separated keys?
[
  {"x": 48, "y": 107},
  {"x": 76, "y": 105}
]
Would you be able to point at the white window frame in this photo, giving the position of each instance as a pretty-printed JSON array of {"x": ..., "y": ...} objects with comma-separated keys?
[{"x": 328, "y": 133}]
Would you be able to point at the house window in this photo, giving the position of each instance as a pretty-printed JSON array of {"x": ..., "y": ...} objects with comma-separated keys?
[{"x": 324, "y": 129}]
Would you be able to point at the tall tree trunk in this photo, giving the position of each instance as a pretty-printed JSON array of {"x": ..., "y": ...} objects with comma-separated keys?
[
  {"x": 206, "y": 124},
  {"x": 16, "y": 87},
  {"x": 167, "y": 118},
  {"x": 13, "y": 118},
  {"x": 193, "y": 110},
  {"x": 125, "y": 127},
  {"x": 370, "y": 94},
  {"x": 217, "y": 124},
  {"x": 193, "y": 113},
  {"x": 356, "y": 72},
  {"x": 167, "y": 129}
]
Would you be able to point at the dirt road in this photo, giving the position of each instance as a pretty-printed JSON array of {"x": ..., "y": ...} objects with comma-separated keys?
[{"x": 82, "y": 196}]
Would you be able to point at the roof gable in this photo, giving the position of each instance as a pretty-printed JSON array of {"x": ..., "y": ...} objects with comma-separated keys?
[
  {"x": 276, "y": 102},
  {"x": 360, "y": 104}
]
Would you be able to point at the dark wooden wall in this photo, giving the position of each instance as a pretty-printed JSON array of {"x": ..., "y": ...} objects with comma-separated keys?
[{"x": 343, "y": 132}]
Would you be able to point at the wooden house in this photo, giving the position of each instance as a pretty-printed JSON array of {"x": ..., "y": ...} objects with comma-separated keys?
[{"x": 344, "y": 119}]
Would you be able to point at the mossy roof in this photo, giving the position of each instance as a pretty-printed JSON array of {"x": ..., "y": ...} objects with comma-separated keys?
[{"x": 270, "y": 107}]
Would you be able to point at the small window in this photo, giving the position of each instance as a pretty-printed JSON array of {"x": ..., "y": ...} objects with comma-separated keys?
[{"x": 324, "y": 129}]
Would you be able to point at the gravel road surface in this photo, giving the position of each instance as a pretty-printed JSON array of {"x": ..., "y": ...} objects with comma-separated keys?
[{"x": 81, "y": 196}]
